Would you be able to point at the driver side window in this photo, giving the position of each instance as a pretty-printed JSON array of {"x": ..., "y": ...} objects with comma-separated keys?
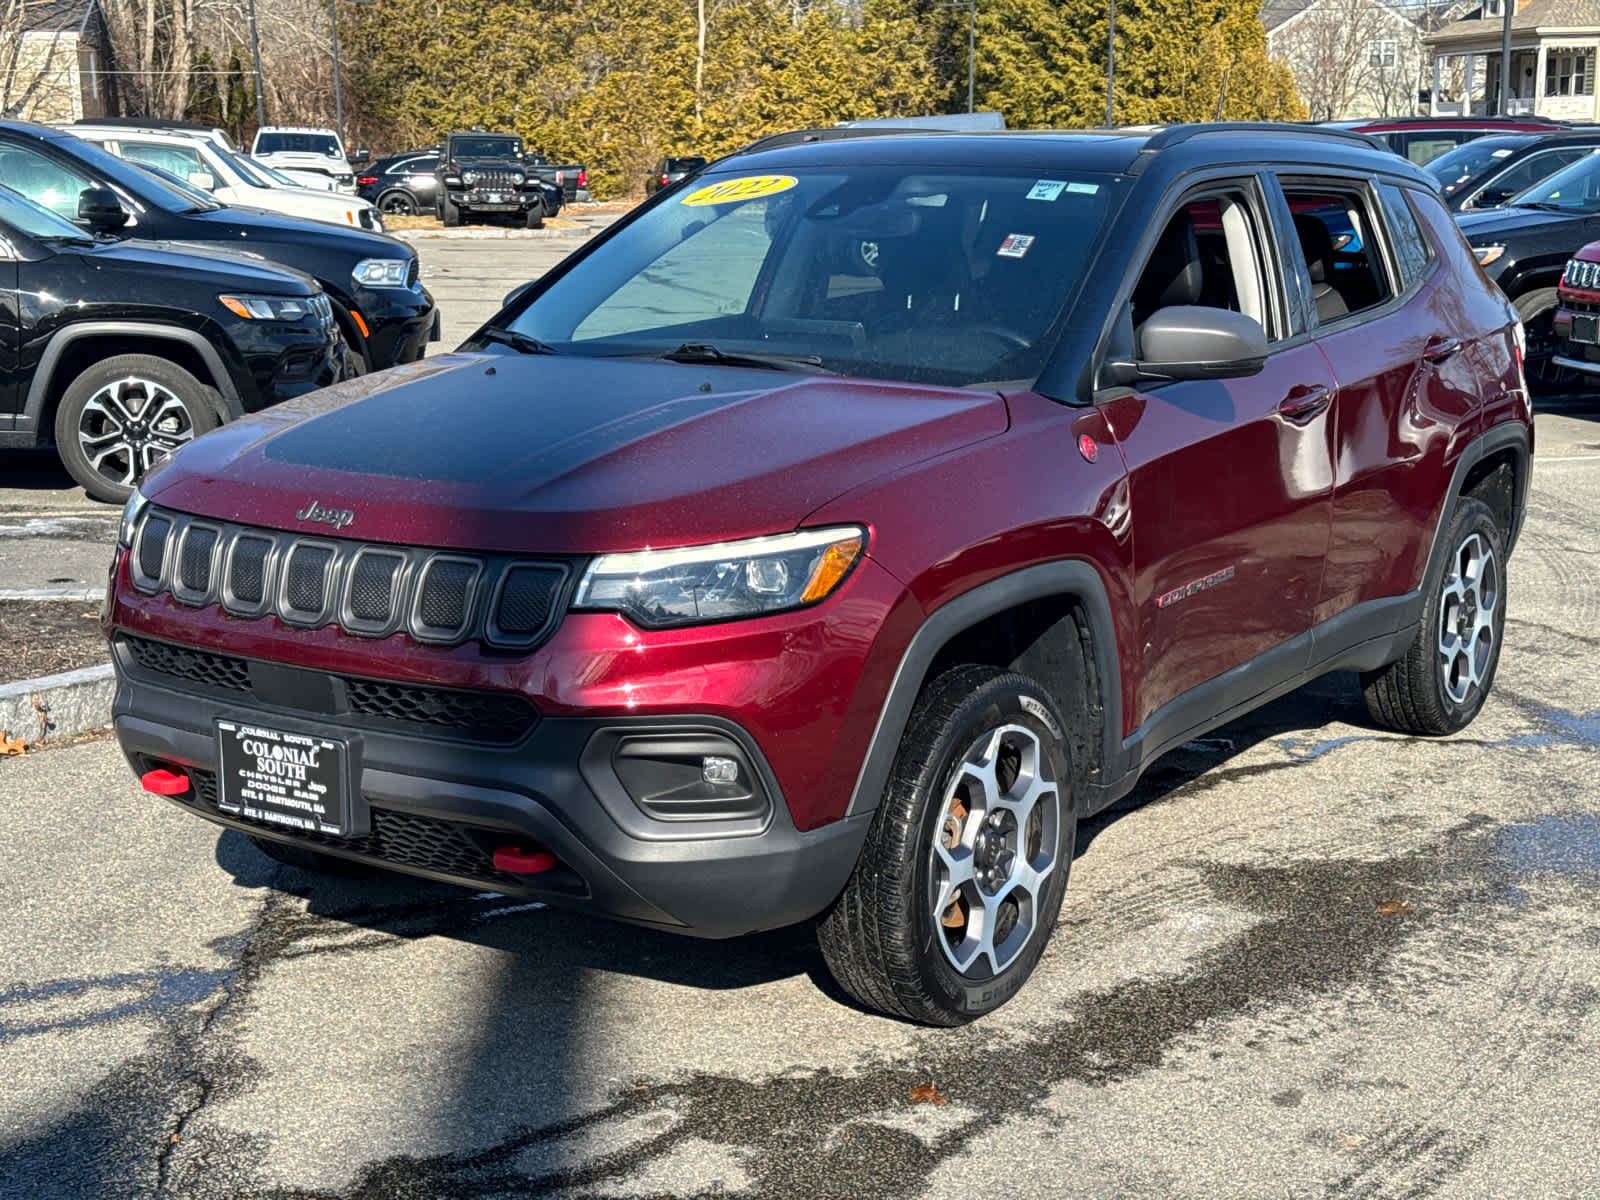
[{"x": 1209, "y": 256}]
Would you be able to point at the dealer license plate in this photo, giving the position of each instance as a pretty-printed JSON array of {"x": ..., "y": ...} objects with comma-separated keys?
[
  {"x": 1585, "y": 328},
  {"x": 292, "y": 779}
]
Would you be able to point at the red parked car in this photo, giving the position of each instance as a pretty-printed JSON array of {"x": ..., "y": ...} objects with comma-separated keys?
[
  {"x": 1423, "y": 139},
  {"x": 831, "y": 535},
  {"x": 1576, "y": 323}
]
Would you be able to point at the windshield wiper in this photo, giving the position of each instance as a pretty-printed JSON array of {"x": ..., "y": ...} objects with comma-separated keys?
[
  {"x": 705, "y": 352},
  {"x": 1547, "y": 206},
  {"x": 520, "y": 342}
]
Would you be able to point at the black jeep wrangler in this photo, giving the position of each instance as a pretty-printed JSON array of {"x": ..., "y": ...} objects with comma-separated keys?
[{"x": 482, "y": 173}]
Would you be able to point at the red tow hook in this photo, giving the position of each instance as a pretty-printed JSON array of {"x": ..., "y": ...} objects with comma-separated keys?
[
  {"x": 518, "y": 861},
  {"x": 165, "y": 783}
]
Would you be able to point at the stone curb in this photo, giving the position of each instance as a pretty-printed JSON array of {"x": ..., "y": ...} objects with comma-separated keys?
[
  {"x": 71, "y": 703},
  {"x": 53, "y": 593},
  {"x": 416, "y": 235}
]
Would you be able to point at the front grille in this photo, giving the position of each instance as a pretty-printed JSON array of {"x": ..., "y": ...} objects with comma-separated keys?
[
  {"x": 366, "y": 589},
  {"x": 497, "y": 717},
  {"x": 1581, "y": 274},
  {"x": 491, "y": 180},
  {"x": 405, "y": 839},
  {"x": 197, "y": 666}
]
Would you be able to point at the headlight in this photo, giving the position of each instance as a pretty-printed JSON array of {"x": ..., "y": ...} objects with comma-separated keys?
[
  {"x": 469, "y": 177},
  {"x": 662, "y": 588},
  {"x": 1488, "y": 254},
  {"x": 381, "y": 272},
  {"x": 518, "y": 178},
  {"x": 132, "y": 510},
  {"x": 269, "y": 308}
]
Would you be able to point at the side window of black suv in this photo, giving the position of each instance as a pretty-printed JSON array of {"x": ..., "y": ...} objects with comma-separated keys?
[{"x": 41, "y": 180}]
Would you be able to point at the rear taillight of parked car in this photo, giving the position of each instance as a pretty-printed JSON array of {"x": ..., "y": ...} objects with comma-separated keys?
[{"x": 364, "y": 180}]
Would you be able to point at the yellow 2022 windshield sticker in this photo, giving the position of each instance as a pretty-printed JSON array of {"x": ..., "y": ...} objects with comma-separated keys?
[{"x": 747, "y": 187}]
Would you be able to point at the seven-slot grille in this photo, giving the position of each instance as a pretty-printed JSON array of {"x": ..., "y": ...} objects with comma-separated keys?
[
  {"x": 490, "y": 180},
  {"x": 364, "y": 588},
  {"x": 1582, "y": 274}
]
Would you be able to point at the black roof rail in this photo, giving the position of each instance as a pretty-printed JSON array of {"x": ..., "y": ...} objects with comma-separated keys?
[
  {"x": 1173, "y": 135},
  {"x": 834, "y": 133}
]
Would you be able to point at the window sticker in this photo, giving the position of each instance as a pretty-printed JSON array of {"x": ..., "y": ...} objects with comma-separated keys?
[
  {"x": 1015, "y": 245},
  {"x": 1047, "y": 189},
  {"x": 1082, "y": 189},
  {"x": 731, "y": 191},
  {"x": 1500, "y": 154}
]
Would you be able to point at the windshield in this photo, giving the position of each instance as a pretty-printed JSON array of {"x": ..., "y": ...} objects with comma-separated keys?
[
  {"x": 194, "y": 200},
  {"x": 485, "y": 147},
  {"x": 1471, "y": 159},
  {"x": 36, "y": 220},
  {"x": 950, "y": 277},
  {"x": 257, "y": 167},
  {"x": 1575, "y": 189},
  {"x": 297, "y": 143}
]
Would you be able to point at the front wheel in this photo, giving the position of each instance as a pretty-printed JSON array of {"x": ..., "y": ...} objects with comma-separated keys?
[
  {"x": 962, "y": 874},
  {"x": 125, "y": 416},
  {"x": 449, "y": 213},
  {"x": 535, "y": 215},
  {"x": 1537, "y": 310},
  {"x": 1445, "y": 676}
]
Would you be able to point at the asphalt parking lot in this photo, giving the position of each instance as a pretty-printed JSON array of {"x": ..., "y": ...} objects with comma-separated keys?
[{"x": 1311, "y": 959}]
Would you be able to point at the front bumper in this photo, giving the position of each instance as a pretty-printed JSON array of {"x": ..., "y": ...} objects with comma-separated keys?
[
  {"x": 486, "y": 201},
  {"x": 438, "y": 808},
  {"x": 399, "y": 322},
  {"x": 1576, "y": 326},
  {"x": 283, "y": 361}
]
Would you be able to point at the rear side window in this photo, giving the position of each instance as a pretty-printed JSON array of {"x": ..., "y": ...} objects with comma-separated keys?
[
  {"x": 1423, "y": 148},
  {"x": 1412, "y": 251},
  {"x": 1334, "y": 232}
]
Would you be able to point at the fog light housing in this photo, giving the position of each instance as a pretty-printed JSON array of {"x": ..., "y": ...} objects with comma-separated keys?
[
  {"x": 699, "y": 776},
  {"x": 716, "y": 769}
]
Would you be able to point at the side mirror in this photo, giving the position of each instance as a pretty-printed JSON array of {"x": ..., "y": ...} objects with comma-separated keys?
[
  {"x": 99, "y": 209},
  {"x": 517, "y": 293},
  {"x": 1192, "y": 342},
  {"x": 204, "y": 180}
]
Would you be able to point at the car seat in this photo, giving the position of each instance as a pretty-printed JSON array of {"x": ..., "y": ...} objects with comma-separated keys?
[{"x": 1316, "y": 243}]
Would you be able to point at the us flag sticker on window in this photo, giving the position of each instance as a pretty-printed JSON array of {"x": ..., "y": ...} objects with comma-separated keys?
[{"x": 1015, "y": 245}]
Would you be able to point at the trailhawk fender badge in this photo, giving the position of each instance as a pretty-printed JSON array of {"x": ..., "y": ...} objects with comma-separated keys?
[
  {"x": 1198, "y": 585},
  {"x": 337, "y": 517}
]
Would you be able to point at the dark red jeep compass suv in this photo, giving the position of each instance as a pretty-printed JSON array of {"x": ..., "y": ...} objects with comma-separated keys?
[{"x": 830, "y": 536}]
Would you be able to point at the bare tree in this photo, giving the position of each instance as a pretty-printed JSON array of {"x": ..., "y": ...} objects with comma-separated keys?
[{"x": 1329, "y": 48}]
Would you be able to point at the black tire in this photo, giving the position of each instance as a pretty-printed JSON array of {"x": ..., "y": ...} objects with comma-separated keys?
[
  {"x": 397, "y": 203},
  {"x": 449, "y": 213},
  {"x": 1537, "y": 310},
  {"x": 1441, "y": 682},
  {"x": 887, "y": 939},
  {"x": 535, "y": 215},
  {"x": 107, "y": 437},
  {"x": 306, "y": 859}
]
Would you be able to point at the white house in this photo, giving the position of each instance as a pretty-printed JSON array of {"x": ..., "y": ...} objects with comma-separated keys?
[{"x": 1554, "y": 47}]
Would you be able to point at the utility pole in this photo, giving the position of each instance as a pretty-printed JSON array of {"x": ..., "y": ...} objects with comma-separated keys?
[
  {"x": 972, "y": 41},
  {"x": 255, "y": 53},
  {"x": 1111, "y": 58},
  {"x": 1505, "y": 57},
  {"x": 338, "y": 97}
]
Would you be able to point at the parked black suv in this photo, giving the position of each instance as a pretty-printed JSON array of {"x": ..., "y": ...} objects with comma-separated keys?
[
  {"x": 1524, "y": 246},
  {"x": 1491, "y": 170},
  {"x": 122, "y": 351},
  {"x": 382, "y": 309},
  {"x": 401, "y": 185},
  {"x": 670, "y": 170},
  {"x": 482, "y": 174}
]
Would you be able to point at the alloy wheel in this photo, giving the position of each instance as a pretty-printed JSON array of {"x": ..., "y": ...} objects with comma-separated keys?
[
  {"x": 1468, "y": 607},
  {"x": 994, "y": 849},
  {"x": 398, "y": 204},
  {"x": 131, "y": 426}
]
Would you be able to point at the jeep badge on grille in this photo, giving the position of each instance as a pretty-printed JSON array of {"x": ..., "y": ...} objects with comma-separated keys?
[{"x": 337, "y": 517}]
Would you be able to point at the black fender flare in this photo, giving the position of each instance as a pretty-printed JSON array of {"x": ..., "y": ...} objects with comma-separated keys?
[
  {"x": 1070, "y": 579},
  {"x": 232, "y": 406},
  {"x": 1508, "y": 435}
]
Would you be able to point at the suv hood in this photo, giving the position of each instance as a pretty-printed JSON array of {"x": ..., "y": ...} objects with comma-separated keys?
[
  {"x": 305, "y": 158},
  {"x": 1494, "y": 222},
  {"x": 568, "y": 455},
  {"x": 195, "y": 261}
]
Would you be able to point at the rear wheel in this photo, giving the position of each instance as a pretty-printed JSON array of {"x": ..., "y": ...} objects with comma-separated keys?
[
  {"x": 961, "y": 877},
  {"x": 1445, "y": 676},
  {"x": 125, "y": 416},
  {"x": 397, "y": 204}
]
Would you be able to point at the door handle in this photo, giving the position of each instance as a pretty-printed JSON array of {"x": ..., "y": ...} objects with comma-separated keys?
[
  {"x": 1304, "y": 402},
  {"x": 1439, "y": 348}
]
